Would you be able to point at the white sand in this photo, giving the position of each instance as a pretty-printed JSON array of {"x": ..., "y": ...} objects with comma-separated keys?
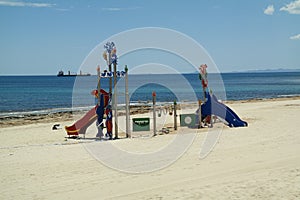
[{"x": 261, "y": 161}]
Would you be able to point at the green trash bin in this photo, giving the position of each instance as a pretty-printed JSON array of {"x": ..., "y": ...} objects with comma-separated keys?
[
  {"x": 141, "y": 124},
  {"x": 188, "y": 120}
]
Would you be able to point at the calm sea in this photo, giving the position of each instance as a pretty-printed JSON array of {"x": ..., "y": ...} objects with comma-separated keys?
[{"x": 46, "y": 94}]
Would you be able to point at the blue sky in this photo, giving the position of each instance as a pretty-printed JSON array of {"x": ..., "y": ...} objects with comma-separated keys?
[{"x": 43, "y": 36}]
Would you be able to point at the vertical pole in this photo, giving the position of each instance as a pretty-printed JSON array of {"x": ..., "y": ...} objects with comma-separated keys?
[
  {"x": 203, "y": 79},
  {"x": 115, "y": 101},
  {"x": 99, "y": 100},
  {"x": 199, "y": 114},
  {"x": 110, "y": 78},
  {"x": 127, "y": 103},
  {"x": 175, "y": 115},
  {"x": 99, "y": 84},
  {"x": 154, "y": 112}
]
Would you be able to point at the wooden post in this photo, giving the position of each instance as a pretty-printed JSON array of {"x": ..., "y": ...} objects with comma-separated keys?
[
  {"x": 127, "y": 104},
  {"x": 154, "y": 112},
  {"x": 115, "y": 101},
  {"x": 175, "y": 115}
]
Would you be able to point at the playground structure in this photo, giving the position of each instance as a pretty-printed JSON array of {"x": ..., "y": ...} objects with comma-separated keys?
[
  {"x": 204, "y": 114},
  {"x": 212, "y": 106},
  {"x": 206, "y": 110},
  {"x": 104, "y": 100}
]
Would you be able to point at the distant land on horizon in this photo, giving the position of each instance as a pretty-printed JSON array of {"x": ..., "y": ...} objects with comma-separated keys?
[
  {"x": 258, "y": 71},
  {"x": 266, "y": 70}
]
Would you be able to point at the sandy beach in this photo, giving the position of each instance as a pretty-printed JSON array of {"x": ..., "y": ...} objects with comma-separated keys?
[{"x": 260, "y": 161}]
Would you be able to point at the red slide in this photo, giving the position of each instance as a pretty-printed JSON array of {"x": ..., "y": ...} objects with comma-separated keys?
[
  {"x": 90, "y": 117},
  {"x": 82, "y": 124}
]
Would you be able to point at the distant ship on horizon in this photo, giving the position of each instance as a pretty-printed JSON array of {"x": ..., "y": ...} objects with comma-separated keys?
[{"x": 61, "y": 73}]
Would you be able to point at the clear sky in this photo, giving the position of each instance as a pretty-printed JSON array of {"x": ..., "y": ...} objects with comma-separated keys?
[{"x": 44, "y": 36}]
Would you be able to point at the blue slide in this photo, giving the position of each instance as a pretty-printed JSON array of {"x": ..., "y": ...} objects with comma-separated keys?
[{"x": 213, "y": 107}]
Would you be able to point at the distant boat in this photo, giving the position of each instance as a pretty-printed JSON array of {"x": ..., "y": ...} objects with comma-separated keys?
[{"x": 61, "y": 73}]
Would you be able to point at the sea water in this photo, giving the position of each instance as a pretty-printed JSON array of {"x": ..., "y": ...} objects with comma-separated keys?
[{"x": 45, "y": 94}]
